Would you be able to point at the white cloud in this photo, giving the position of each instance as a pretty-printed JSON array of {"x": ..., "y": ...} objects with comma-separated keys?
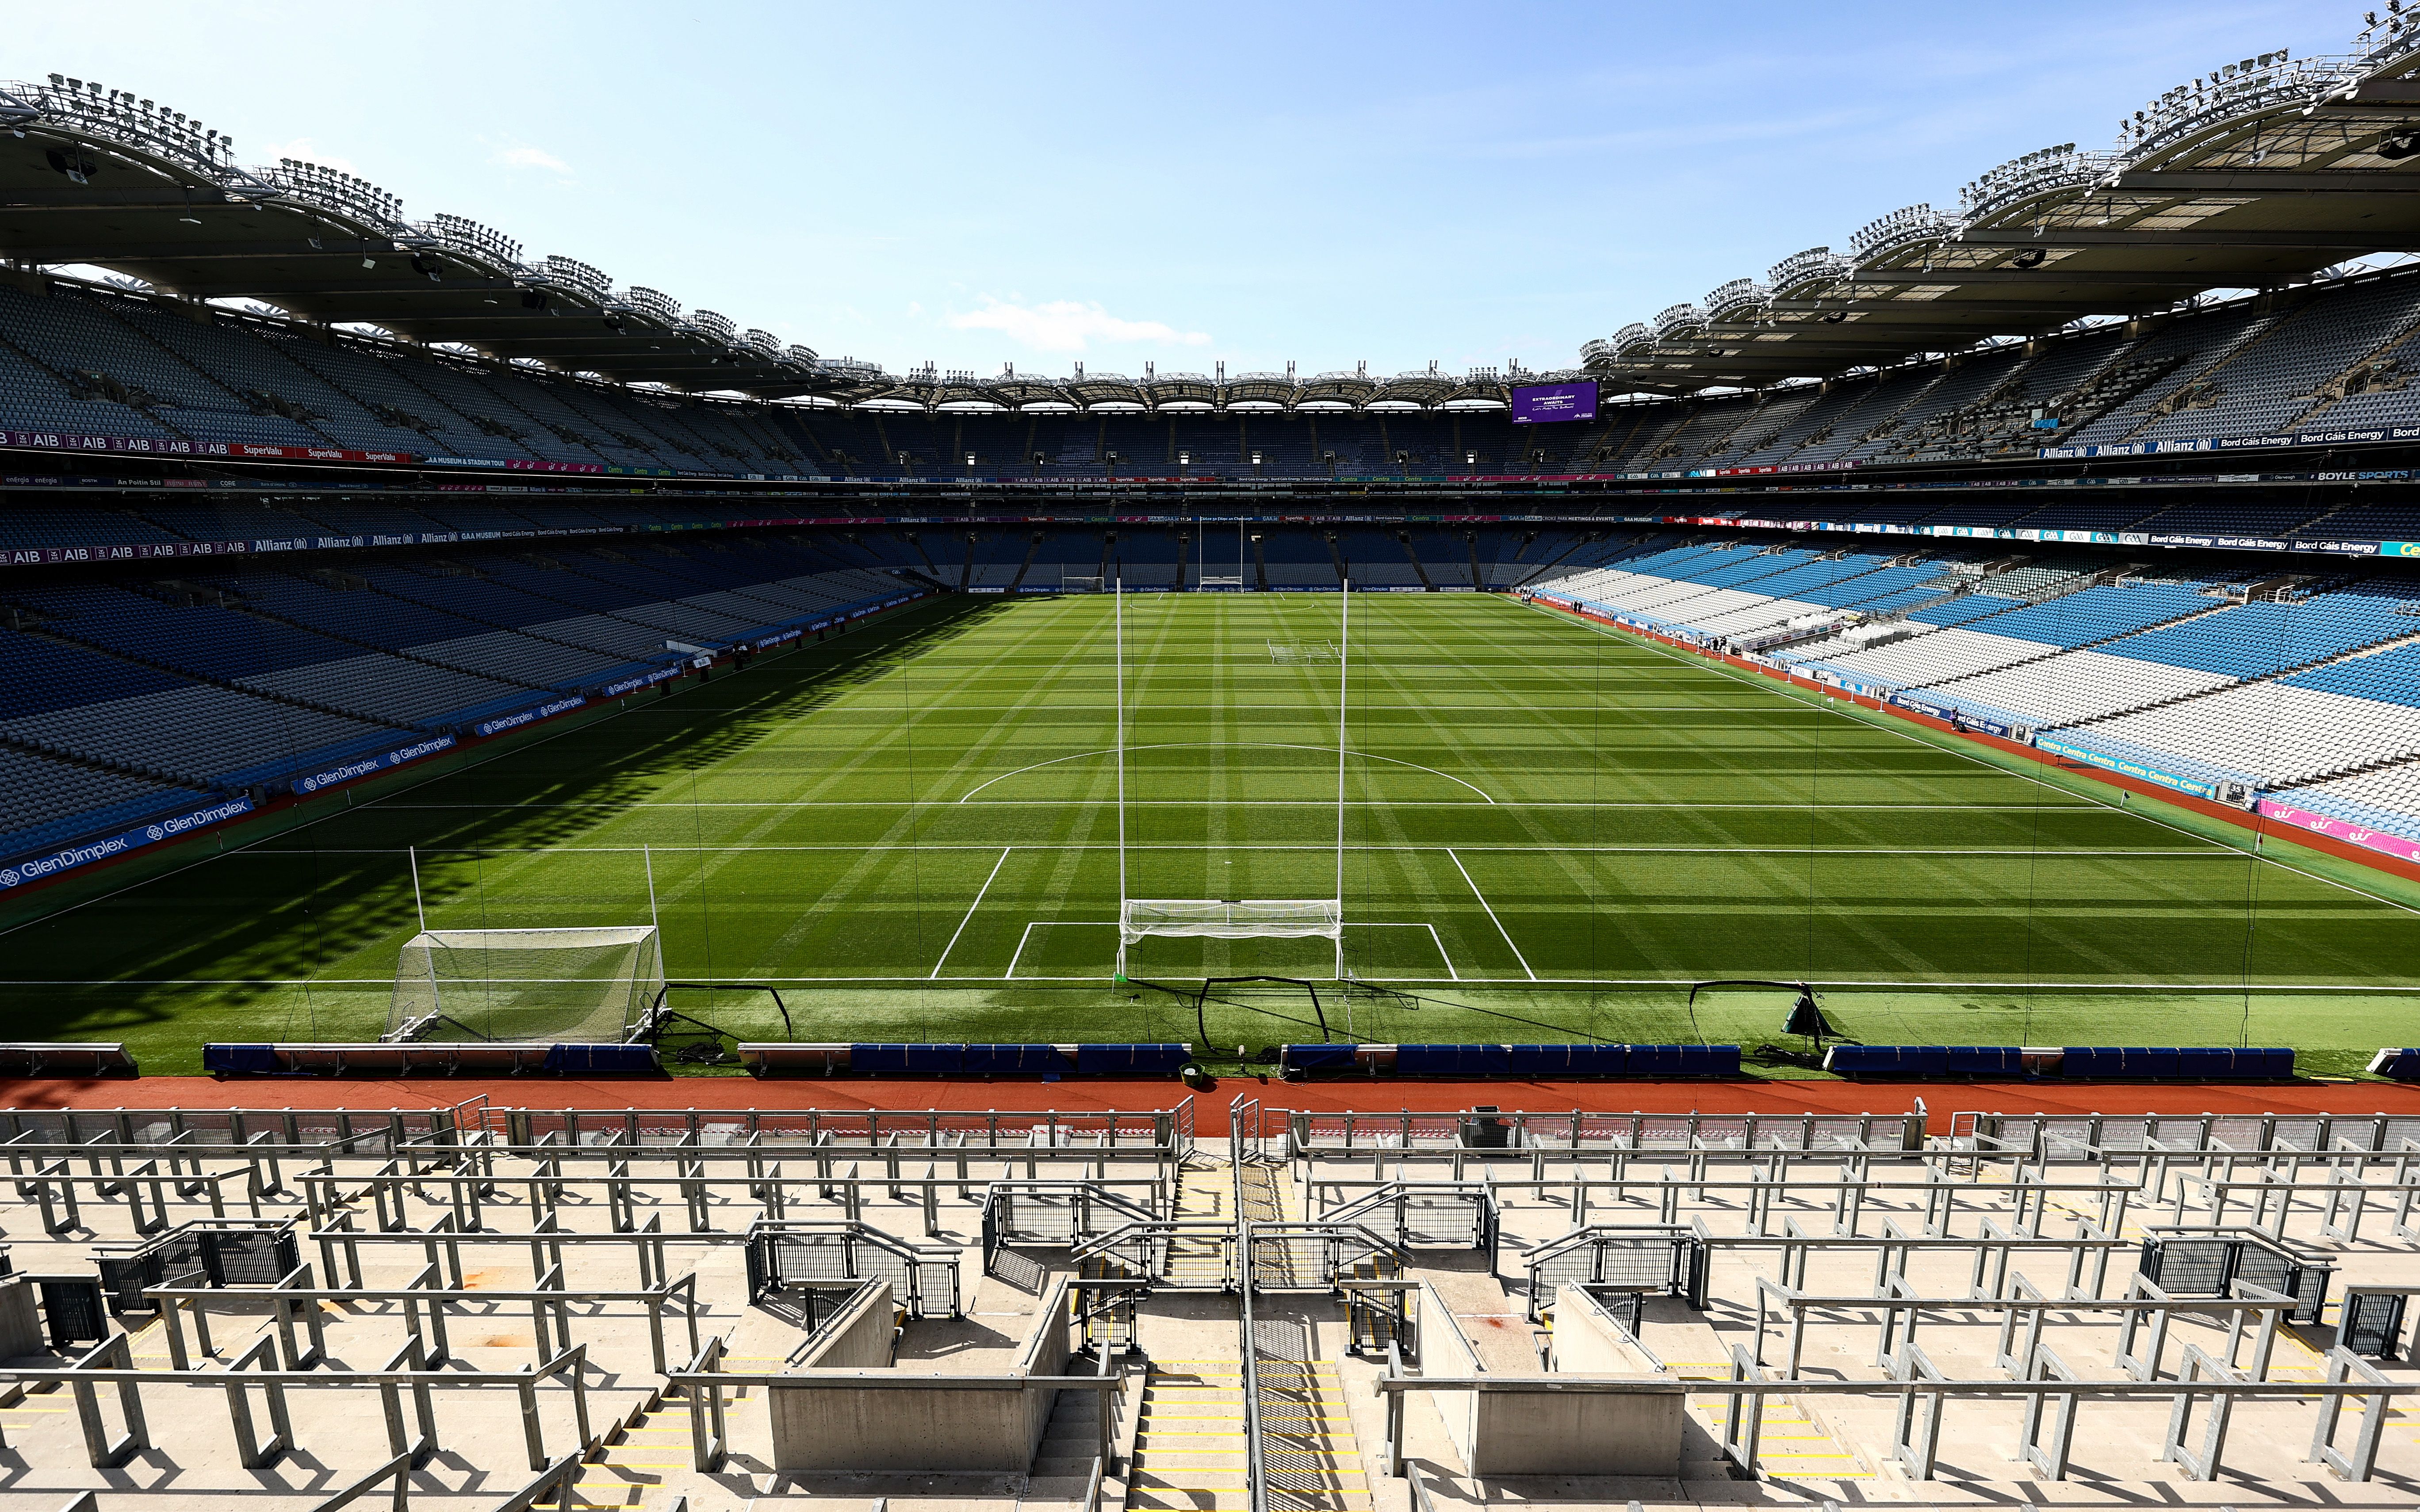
[
  {"x": 1068, "y": 326},
  {"x": 303, "y": 149},
  {"x": 522, "y": 155}
]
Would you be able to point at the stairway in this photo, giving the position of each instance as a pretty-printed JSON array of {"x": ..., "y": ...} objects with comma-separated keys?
[
  {"x": 639, "y": 1454},
  {"x": 1308, "y": 1448},
  {"x": 1202, "y": 1192},
  {"x": 1189, "y": 1447},
  {"x": 1189, "y": 1436},
  {"x": 1071, "y": 1443}
]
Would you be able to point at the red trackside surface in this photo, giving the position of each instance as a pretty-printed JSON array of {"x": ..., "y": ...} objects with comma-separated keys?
[{"x": 1941, "y": 1099}]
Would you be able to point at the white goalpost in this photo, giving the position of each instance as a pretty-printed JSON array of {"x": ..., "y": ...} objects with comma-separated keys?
[
  {"x": 583, "y": 985},
  {"x": 1142, "y": 919}
]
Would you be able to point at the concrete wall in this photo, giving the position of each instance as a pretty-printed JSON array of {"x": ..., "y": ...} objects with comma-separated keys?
[
  {"x": 1510, "y": 1431},
  {"x": 1589, "y": 1342},
  {"x": 991, "y": 1423},
  {"x": 21, "y": 1322},
  {"x": 1579, "y": 1433},
  {"x": 858, "y": 1336},
  {"x": 1445, "y": 1353}
]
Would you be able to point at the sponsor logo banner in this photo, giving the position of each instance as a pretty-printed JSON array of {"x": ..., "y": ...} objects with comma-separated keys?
[
  {"x": 1951, "y": 713},
  {"x": 369, "y": 766},
  {"x": 532, "y": 716},
  {"x": 38, "y": 867},
  {"x": 631, "y": 685},
  {"x": 2352, "y": 436},
  {"x": 67, "y": 441},
  {"x": 2125, "y": 766},
  {"x": 2344, "y": 829}
]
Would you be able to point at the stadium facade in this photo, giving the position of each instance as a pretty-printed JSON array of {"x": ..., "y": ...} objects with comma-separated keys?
[{"x": 2119, "y": 455}]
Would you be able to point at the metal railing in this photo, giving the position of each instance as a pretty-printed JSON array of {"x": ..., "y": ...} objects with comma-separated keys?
[{"x": 1256, "y": 1482}]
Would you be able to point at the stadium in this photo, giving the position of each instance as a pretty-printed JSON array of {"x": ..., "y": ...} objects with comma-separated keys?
[{"x": 1198, "y": 940}]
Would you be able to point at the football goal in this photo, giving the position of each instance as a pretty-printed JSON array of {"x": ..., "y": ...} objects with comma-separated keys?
[
  {"x": 1071, "y": 584},
  {"x": 594, "y": 986},
  {"x": 1142, "y": 919}
]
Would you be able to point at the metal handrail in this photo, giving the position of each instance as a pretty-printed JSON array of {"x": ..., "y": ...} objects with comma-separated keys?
[{"x": 1256, "y": 1485}]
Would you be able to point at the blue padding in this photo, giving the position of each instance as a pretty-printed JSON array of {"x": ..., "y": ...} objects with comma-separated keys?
[
  {"x": 600, "y": 1058},
  {"x": 1318, "y": 1057},
  {"x": 2091, "y": 1061},
  {"x": 2400, "y": 1065},
  {"x": 1924, "y": 1060},
  {"x": 1121, "y": 1059},
  {"x": 934, "y": 1059},
  {"x": 1985, "y": 1060},
  {"x": 2161, "y": 1064},
  {"x": 1708, "y": 1059},
  {"x": 2274, "y": 1063},
  {"x": 1012, "y": 1060},
  {"x": 1658, "y": 1060},
  {"x": 240, "y": 1059},
  {"x": 1599, "y": 1061},
  {"x": 879, "y": 1058},
  {"x": 1552, "y": 1060},
  {"x": 1861, "y": 1059},
  {"x": 1453, "y": 1060},
  {"x": 2201, "y": 1065}
]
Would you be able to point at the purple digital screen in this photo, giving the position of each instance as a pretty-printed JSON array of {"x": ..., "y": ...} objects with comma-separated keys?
[{"x": 1545, "y": 403}]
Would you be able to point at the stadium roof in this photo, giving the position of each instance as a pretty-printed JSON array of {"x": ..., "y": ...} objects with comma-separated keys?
[
  {"x": 2259, "y": 173},
  {"x": 95, "y": 176},
  {"x": 2256, "y": 175}
]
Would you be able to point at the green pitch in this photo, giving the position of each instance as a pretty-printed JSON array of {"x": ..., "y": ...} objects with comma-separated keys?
[{"x": 913, "y": 833}]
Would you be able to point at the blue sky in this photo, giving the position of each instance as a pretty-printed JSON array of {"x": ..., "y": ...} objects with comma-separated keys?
[{"x": 1041, "y": 185}]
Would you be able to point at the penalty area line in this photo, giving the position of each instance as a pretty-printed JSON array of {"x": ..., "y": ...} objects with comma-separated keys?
[
  {"x": 1491, "y": 914},
  {"x": 970, "y": 913}
]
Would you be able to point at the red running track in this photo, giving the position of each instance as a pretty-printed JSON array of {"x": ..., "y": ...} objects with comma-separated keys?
[{"x": 1210, "y": 1108}]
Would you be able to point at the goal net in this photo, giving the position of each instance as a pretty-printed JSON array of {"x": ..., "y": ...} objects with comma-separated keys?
[
  {"x": 1079, "y": 585},
  {"x": 589, "y": 985},
  {"x": 1278, "y": 918}
]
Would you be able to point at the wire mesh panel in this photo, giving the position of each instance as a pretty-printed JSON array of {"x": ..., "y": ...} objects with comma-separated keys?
[
  {"x": 2187, "y": 1265},
  {"x": 577, "y": 984},
  {"x": 780, "y": 1257},
  {"x": 1211, "y": 918},
  {"x": 2198, "y": 1265},
  {"x": 2372, "y": 1322}
]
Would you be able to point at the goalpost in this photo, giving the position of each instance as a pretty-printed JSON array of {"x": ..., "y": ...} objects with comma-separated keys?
[
  {"x": 1142, "y": 919},
  {"x": 585, "y": 984}
]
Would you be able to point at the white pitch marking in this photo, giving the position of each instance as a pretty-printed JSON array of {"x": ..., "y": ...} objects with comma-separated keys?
[
  {"x": 1212, "y": 745},
  {"x": 1030, "y": 928},
  {"x": 970, "y": 911},
  {"x": 1491, "y": 915}
]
